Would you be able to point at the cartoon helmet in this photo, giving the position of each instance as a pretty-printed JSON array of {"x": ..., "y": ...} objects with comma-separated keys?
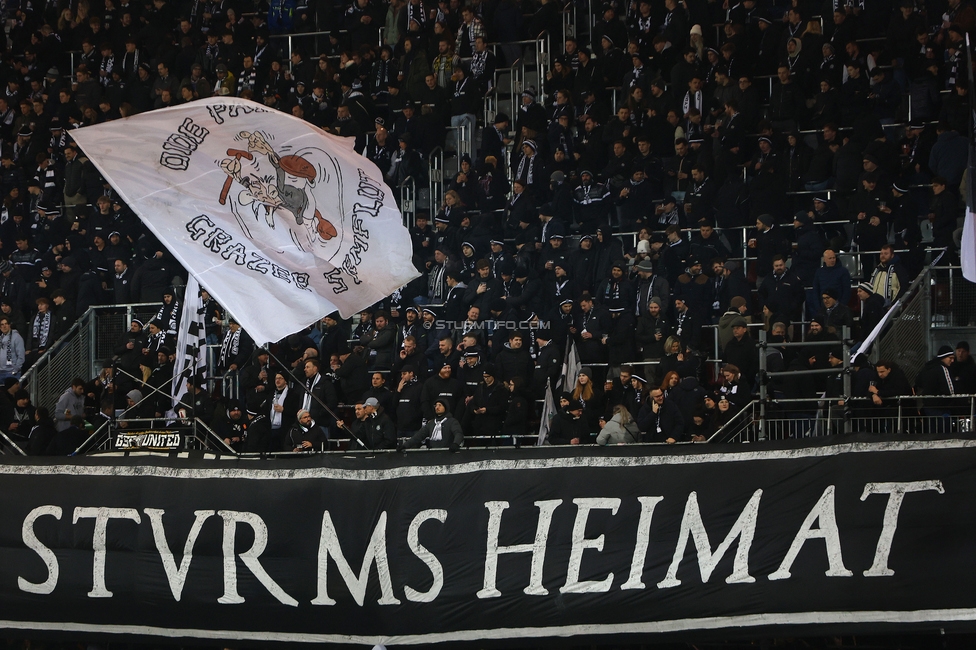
[{"x": 298, "y": 167}]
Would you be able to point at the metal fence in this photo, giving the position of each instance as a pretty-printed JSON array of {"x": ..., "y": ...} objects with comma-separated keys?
[
  {"x": 810, "y": 418},
  {"x": 83, "y": 350}
]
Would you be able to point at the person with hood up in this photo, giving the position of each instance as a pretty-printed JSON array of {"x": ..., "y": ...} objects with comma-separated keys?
[
  {"x": 620, "y": 430},
  {"x": 440, "y": 432}
]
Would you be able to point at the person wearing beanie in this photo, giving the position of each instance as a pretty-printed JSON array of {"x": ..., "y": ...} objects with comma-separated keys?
[
  {"x": 442, "y": 431},
  {"x": 808, "y": 249},
  {"x": 738, "y": 310},
  {"x": 935, "y": 380},
  {"x": 741, "y": 351},
  {"x": 964, "y": 369},
  {"x": 485, "y": 413},
  {"x": 766, "y": 243},
  {"x": 232, "y": 427},
  {"x": 872, "y": 308},
  {"x": 836, "y": 315}
]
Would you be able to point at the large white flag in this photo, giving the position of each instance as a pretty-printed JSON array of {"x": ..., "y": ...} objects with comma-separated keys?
[{"x": 281, "y": 222}]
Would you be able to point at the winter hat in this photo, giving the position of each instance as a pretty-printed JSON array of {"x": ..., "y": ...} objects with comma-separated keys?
[
  {"x": 829, "y": 292},
  {"x": 803, "y": 218},
  {"x": 866, "y": 287},
  {"x": 963, "y": 345},
  {"x": 656, "y": 301},
  {"x": 445, "y": 402},
  {"x": 488, "y": 369},
  {"x": 371, "y": 401},
  {"x": 731, "y": 265},
  {"x": 10, "y": 382},
  {"x": 737, "y": 303},
  {"x": 134, "y": 395},
  {"x": 945, "y": 351},
  {"x": 587, "y": 372},
  {"x": 766, "y": 219},
  {"x": 739, "y": 322},
  {"x": 644, "y": 247}
]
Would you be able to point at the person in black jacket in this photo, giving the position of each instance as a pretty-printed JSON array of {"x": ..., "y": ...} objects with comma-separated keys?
[
  {"x": 409, "y": 413},
  {"x": 742, "y": 352},
  {"x": 318, "y": 394},
  {"x": 383, "y": 395},
  {"x": 569, "y": 427},
  {"x": 65, "y": 442},
  {"x": 485, "y": 412},
  {"x": 891, "y": 384},
  {"x": 443, "y": 430},
  {"x": 934, "y": 381},
  {"x": 517, "y": 411},
  {"x": 768, "y": 242},
  {"x": 872, "y": 308},
  {"x": 374, "y": 429},
  {"x": 660, "y": 420},
  {"x": 41, "y": 434}
]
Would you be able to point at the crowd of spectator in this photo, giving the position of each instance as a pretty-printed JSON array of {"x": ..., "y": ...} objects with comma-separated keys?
[{"x": 758, "y": 163}]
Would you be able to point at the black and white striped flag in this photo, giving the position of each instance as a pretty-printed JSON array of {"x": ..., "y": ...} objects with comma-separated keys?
[{"x": 191, "y": 341}]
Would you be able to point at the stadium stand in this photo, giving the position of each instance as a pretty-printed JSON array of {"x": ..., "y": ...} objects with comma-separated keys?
[{"x": 712, "y": 205}]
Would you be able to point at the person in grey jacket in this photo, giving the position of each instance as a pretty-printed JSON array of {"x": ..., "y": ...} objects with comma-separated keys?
[
  {"x": 620, "y": 430},
  {"x": 70, "y": 404},
  {"x": 11, "y": 350},
  {"x": 440, "y": 432}
]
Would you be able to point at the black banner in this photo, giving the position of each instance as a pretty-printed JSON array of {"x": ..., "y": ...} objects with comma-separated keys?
[{"x": 494, "y": 547}]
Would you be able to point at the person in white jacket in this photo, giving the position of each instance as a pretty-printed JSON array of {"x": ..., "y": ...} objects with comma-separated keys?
[{"x": 11, "y": 350}]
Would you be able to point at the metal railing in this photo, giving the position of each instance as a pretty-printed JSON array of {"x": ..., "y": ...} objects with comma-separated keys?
[
  {"x": 194, "y": 434},
  {"x": 408, "y": 205},
  {"x": 90, "y": 342},
  {"x": 817, "y": 417}
]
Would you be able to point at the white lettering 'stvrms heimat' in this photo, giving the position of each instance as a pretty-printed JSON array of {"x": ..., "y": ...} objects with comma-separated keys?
[{"x": 820, "y": 523}]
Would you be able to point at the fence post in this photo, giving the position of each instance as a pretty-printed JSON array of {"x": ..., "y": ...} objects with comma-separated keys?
[
  {"x": 846, "y": 335},
  {"x": 926, "y": 289},
  {"x": 763, "y": 392}
]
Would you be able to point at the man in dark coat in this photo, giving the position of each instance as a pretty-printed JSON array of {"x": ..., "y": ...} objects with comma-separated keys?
[{"x": 660, "y": 420}]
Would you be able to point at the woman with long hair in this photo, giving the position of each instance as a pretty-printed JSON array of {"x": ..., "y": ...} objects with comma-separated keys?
[
  {"x": 620, "y": 430},
  {"x": 670, "y": 380},
  {"x": 591, "y": 396},
  {"x": 732, "y": 389},
  {"x": 672, "y": 357}
]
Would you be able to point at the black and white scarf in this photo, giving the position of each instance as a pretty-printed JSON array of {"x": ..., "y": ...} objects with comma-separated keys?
[
  {"x": 230, "y": 346},
  {"x": 41, "y": 329}
]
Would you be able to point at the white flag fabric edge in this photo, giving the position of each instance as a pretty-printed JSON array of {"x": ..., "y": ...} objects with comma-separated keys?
[
  {"x": 368, "y": 258},
  {"x": 968, "y": 252},
  {"x": 548, "y": 413},
  {"x": 191, "y": 340}
]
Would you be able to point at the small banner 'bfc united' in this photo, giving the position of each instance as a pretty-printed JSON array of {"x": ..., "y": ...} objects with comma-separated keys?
[{"x": 281, "y": 222}]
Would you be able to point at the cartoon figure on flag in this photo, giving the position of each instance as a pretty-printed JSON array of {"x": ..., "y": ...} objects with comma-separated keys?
[{"x": 279, "y": 193}]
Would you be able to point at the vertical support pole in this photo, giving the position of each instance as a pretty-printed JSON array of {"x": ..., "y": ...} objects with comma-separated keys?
[
  {"x": 846, "y": 335},
  {"x": 763, "y": 391}
]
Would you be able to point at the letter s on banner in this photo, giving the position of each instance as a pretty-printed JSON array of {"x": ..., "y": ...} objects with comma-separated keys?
[{"x": 46, "y": 554}]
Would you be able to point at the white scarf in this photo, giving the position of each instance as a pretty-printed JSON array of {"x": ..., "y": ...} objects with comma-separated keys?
[{"x": 278, "y": 400}]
